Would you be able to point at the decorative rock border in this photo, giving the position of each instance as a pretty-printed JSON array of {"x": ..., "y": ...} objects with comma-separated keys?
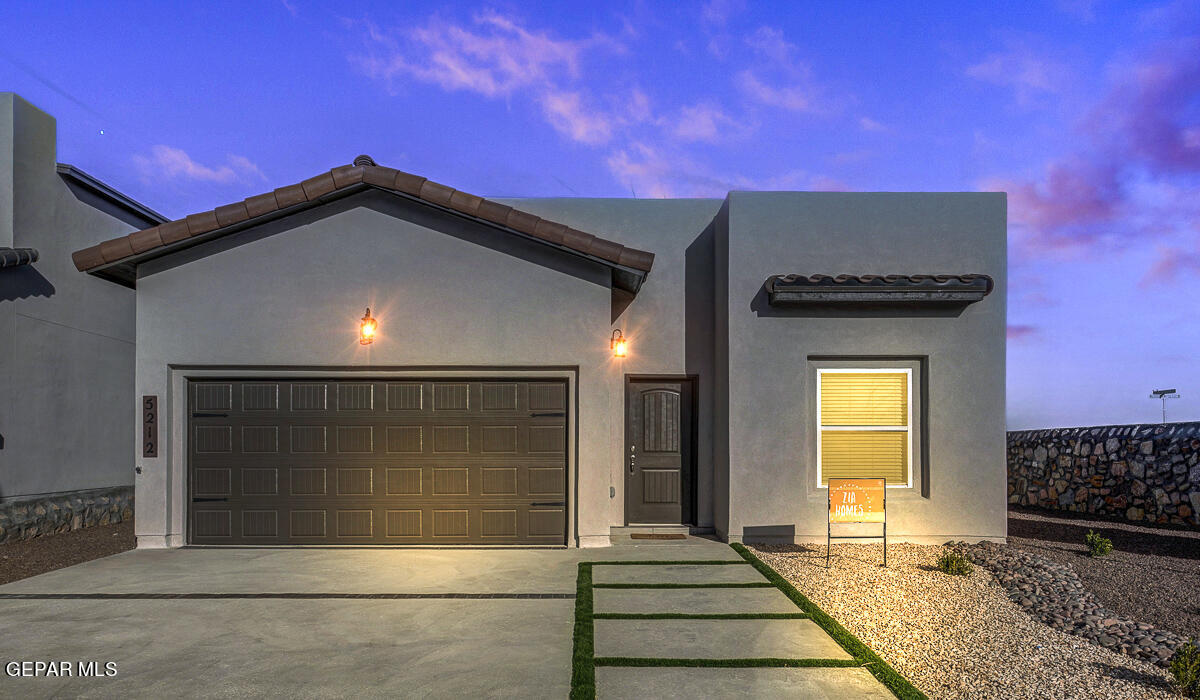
[
  {"x": 1053, "y": 594},
  {"x": 25, "y": 518}
]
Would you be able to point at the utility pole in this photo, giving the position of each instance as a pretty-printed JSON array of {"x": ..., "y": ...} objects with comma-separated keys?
[{"x": 1164, "y": 394}]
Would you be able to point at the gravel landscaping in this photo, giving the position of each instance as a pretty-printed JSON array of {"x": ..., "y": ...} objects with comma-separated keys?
[
  {"x": 957, "y": 636},
  {"x": 1152, "y": 576},
  {"x": 25, "y": 558}
]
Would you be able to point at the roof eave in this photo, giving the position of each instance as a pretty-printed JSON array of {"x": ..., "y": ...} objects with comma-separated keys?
[
  {"x": 70, "y": 172},
  {"x": 124, "y": 271}
]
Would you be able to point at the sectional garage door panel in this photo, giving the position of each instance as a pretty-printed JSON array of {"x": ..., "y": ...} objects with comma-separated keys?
[{"x": 377, "y": 462}]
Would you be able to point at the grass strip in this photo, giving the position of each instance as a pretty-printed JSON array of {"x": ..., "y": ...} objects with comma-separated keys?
[
  {"x": 666, "y": 562},
  {"x": 583, "y": 667},
  {"x": 862, "y": 654},
  {"x": 699, "y": 616},
  {"x": 726, "y": 663},
  {"x": 752, "y": 584}
]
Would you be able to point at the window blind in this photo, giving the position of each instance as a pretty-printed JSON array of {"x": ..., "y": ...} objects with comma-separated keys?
[{"x": 864, "y": 426}]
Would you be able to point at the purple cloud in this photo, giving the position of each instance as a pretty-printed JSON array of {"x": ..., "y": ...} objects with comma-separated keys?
[
  {"x": 1154, "y": 110},
  {"x": 1170, "y": 263},
  {"x": 1141, "y": 148},
  {"x": 1019, "y": 332}
]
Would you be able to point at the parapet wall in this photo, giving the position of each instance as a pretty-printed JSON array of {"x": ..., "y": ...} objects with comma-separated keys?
[{"x": 1143, "y": 473}]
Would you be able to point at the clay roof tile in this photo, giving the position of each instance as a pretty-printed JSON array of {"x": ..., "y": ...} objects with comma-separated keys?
[
  {"x": 290, "y": 195},
  {"x": 261, "y": 204},
  {"x": 436, "y": 194},
  {"x": 315, "y": 187},
  {"x": 363, "y": 170},
  {"x": 200, "y": 223}
]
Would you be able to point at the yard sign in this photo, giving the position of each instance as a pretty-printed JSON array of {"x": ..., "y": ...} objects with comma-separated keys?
[{"x": 857, "y": 501}]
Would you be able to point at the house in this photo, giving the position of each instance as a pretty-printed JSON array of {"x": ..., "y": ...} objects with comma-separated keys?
[
  {"x": 370, "y": 357},
  {"x": 66, "y": 339}
]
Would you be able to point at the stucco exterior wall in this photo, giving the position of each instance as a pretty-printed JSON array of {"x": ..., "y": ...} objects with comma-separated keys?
[
  {"x": 449, "y": 294},
  {"x": 669, "y": 323},
  {"x": 773, "y": 490},
  {"x": 66, "y": 339}
]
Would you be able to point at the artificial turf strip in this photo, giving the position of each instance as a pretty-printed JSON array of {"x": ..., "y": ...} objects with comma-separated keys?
[
  {"x": 583, "y": 667},
  {"x": 668, "y": 562},
  {"x": 726, "y": 663},
  {"x": 863, "y": 656},
  {"x": 699, "y": 616},
  {"x": 753, "y": 584}
]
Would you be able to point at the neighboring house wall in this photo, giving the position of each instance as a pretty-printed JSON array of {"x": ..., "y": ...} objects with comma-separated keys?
[
  {"x": 1143, "y": 473},
  {"x": 66, "y": 339},
  {"x": 773, "y": 491}
]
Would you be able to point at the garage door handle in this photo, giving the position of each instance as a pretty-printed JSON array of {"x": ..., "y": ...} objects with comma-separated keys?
[
  {"x": 210, "y": 500},
  {"x": 552, "y": 503},
  {"x": 210, "y": 415},
  {"x": 552, "y": 414}
]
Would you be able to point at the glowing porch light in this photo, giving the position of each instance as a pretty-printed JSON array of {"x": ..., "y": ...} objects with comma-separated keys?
[
  {"x": 367, "y": 328},
  {"x": 617, "y": 343}
]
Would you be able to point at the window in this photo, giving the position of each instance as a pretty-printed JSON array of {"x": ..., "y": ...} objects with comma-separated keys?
[{"x": 864, "y": 424}]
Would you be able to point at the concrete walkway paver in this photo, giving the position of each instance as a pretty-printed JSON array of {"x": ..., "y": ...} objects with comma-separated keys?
[
  {"x": 691, "y": 600},
  {"x": 715, "y": 639},
  {"x": 690, "y": 639},
  {"x": 759, "y": 683},
  {"x": 676, "y": 573}
]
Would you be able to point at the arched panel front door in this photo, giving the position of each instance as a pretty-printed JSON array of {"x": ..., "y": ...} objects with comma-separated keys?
[{"x": 658, "y": 449}]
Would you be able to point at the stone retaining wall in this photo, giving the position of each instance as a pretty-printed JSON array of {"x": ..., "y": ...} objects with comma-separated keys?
[
  {"x": 24, "y": 518},
  {"x": 1143, "y": 473}
]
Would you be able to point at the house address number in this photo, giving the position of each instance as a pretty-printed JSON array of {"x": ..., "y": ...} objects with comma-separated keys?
[{"x": 149, "y": 426}]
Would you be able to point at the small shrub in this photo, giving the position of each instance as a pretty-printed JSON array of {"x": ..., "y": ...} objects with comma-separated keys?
[
  {"x": 954, "y": 564},
  {"x": 1098, "y": 545},
  {"x": 1185, "y": 667}
]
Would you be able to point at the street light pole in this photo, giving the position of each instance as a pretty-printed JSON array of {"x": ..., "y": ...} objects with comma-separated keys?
[{"x": 1164, "y": 394}]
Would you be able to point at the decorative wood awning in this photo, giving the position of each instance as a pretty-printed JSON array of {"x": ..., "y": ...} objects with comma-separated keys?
[{"x": 789, "y": 290}]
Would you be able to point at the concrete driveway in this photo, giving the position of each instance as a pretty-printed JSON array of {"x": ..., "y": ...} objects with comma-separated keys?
[{"x": 308, "y": 622}]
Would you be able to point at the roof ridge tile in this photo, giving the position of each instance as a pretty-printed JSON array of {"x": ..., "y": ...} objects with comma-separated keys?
[{"x": 362, "y": 171}]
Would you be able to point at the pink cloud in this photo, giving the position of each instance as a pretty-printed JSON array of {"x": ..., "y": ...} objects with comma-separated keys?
[
  {"x": 495, "y": 57},
  {"x": 1170, "y": 264},
  {"x": 1025, "y": 70},
  {"x": 1019, "y": 332},
  {"x": 1133, "y": 179},
  {"x": 1154, "y": 110},
  {"x": 868, "y": 124},
  {"x": 169, "y": 162},
  {"x": 797, "y": 98},
  {"x": 1071, "y": 192},
  {"x": 704, "y": 122},
  {"x": 566, "y": 112}
]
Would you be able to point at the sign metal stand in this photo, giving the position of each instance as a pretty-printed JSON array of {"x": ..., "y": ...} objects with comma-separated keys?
[{"x": 858, "y": 507}]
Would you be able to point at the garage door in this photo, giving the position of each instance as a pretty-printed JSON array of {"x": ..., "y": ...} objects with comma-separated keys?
[{"x": 377, "y": 462}]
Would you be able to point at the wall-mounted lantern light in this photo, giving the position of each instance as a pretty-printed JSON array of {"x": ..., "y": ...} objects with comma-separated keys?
[
  {"x": 617, "y": 343},
  {"x": 367, "y": 328}
]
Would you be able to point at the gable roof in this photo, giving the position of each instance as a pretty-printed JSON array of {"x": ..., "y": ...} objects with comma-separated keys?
[{"x": 116, "y": 259}]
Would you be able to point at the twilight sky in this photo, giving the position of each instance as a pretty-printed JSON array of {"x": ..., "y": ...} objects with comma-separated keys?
[{"x": 1087, "y": 112}]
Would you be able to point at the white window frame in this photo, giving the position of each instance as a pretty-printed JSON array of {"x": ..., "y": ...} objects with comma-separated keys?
[{"x": 908, "y": 429}]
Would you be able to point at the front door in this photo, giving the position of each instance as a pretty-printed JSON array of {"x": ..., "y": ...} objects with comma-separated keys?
[{"x": 658, "y": 450}]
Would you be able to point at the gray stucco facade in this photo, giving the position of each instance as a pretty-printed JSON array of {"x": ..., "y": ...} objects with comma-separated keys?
[
  {"x": 66, "y": 339},
  {"x": 457, "y": 298}
]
